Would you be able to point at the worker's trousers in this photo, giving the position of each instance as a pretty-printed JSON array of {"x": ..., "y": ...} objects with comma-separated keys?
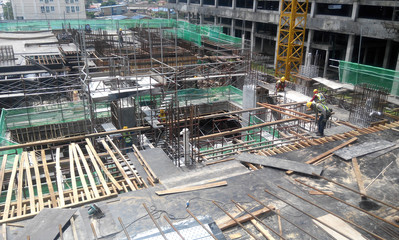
[{"x": 321, "y": 124}]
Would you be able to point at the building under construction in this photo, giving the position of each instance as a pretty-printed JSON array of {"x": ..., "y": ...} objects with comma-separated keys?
[{"x": 163, "y": 129}]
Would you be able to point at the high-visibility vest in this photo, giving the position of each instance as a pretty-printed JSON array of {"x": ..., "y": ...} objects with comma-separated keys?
[{"x": 320, "y": 98}]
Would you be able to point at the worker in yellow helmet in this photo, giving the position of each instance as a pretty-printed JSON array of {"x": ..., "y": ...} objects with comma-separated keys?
[
  {"x": 324, "y": 112},
  {"x": 280, "y": 85},
  {"x": 128, "y": 139},
  {"x": 162, "y": 115},
  {"x": 318, "y": 97},
  {"x": 120, "y": 37}
]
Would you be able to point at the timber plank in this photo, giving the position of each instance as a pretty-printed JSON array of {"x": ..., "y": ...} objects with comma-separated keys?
[
  {"x": 38, "y": 181},
  {"x": 192, "y": 188},
  {"x": 335, "y": 226},
  {"x": 88, "y": 171},
  {"x": 73, "y": 177},
  {"x": 118, "y": 165},
  {"x": 358, "y": 175},
  {"x": 30, "y": 185},
  {"x": 10, "y": 187},
  {"x": 124, "y": 159},
  {"x": 48, "y": 180},
  {"x": 98, "y": 170},
  {"x": 146, "y": 166},
  {"x": 3, "y": 168},
  {"x": 109, "y": 175},
  {"x": 317, "y": 158},
  {"x": 59, "y": 178},
  {"x": 81, "y": 175},
  {"x": 247, "y": 217},
  {"x": 20, "y": 182}
]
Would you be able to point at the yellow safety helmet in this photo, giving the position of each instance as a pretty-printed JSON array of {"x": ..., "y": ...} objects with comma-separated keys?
[
  {"x": 120, "y": 29},
  {"x": 162, "y": 110},
  {"x": 315, "y": 91},
  {"x": 282, "y": 79},
  {"x": 309, "y": 104},
  {"x": 124, "y": 127}
]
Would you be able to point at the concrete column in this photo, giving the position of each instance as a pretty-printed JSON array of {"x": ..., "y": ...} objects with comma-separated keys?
[
  {"x": 201, "y": 19},
  {"x": 188, "y": 2},
  {"x": 326, "y": 64},
  {"x": 310, "y": 37},
  {"x": 189, "y": 17},
  {"x": 233, "y": 26},
  {"x": 349, "y": 48},
  {"x": 201, "y": 3},
  {"x": 216, "y": 3},
  {"x": 395, "y": 85},
  {"x": 262, "y": 40},
  {"x": 215, "y": 22},
  {"x": 255, "y": 6},
  {"x": 387, "y": 54},
  {"x": 366, "y": 51},
  {"x": 355, "y": 10},
  {"x": 253, "y": 39},
  {"x": 234, "y": 4},
  {"x": 168, "y": 13},
  {"x": 313, "y": 9}
]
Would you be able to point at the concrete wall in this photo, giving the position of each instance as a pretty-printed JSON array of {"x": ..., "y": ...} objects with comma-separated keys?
[
  {"x": 320, "y": 20},
  {"x": 48, "y": 9}
]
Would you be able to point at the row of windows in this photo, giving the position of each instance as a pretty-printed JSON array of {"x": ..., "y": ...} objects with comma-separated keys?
[
  {"x": 44, "y": 9},
  {"x": 66, "y": 1},
  {"x": 72, "y": 9}
]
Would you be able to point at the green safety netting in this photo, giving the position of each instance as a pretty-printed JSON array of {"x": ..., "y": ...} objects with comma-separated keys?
[
  {"x": 50, "y": 114},
  {"x": 183, "y": 30},
  {"x": 355, "y": 73}
]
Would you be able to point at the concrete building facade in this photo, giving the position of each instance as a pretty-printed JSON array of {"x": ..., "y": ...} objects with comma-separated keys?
[
  {"x": 48, "y": 9},
  {"x": 363, "y": 31}
]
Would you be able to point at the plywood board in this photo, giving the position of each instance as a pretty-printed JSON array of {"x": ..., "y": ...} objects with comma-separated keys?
[
  {"x": 348, "y": 153},
  {"x": 44, "y": 226},
  {"x": 192, "y": 188},
  {"x": 279, "y": 163},
  {"x": 332, "y": 224}
]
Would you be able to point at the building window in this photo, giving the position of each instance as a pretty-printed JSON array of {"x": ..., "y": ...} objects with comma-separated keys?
[
  {"x": 67, "y": 9},
  {"x": 77, "y": 8},
  {"x": 66, "y": 1},
  {"x": 71, "y": 1},
  {"x": 41, "y": 0},
  {"x": 72, "y": 9},
  {"x": 51, "y": 0},
  {"x": 46, "y": 1},
  {"x": 52, "y": 8},
  {"x": 42, "y": 9},
  {"x": 47, "y": 9}
]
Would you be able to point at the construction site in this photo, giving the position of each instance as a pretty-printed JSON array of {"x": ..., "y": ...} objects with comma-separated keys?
[{"x": 163, "y": 129}]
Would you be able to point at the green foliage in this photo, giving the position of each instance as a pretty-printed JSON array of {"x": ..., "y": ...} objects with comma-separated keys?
[
  {"x": 90, "y": 15},
  {"x": 109, "y": 3},
  {"x": 7, "y": 11}
]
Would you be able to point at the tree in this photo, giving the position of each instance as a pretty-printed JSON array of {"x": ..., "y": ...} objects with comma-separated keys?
[
  {"x": 109, "y": 3},
  {"x": 7, "y": 11}
]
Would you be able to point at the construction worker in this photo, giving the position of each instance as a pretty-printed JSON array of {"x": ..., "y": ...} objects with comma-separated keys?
[
  {"x": 318, "y": 97},
  {"x": 325, "y": 114},
  {"x": 280, "y": 85},
  {"x": 127, "y": 138},
  {"x": 120, "y": 37},
  {"x": 162, "y": 115}
]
